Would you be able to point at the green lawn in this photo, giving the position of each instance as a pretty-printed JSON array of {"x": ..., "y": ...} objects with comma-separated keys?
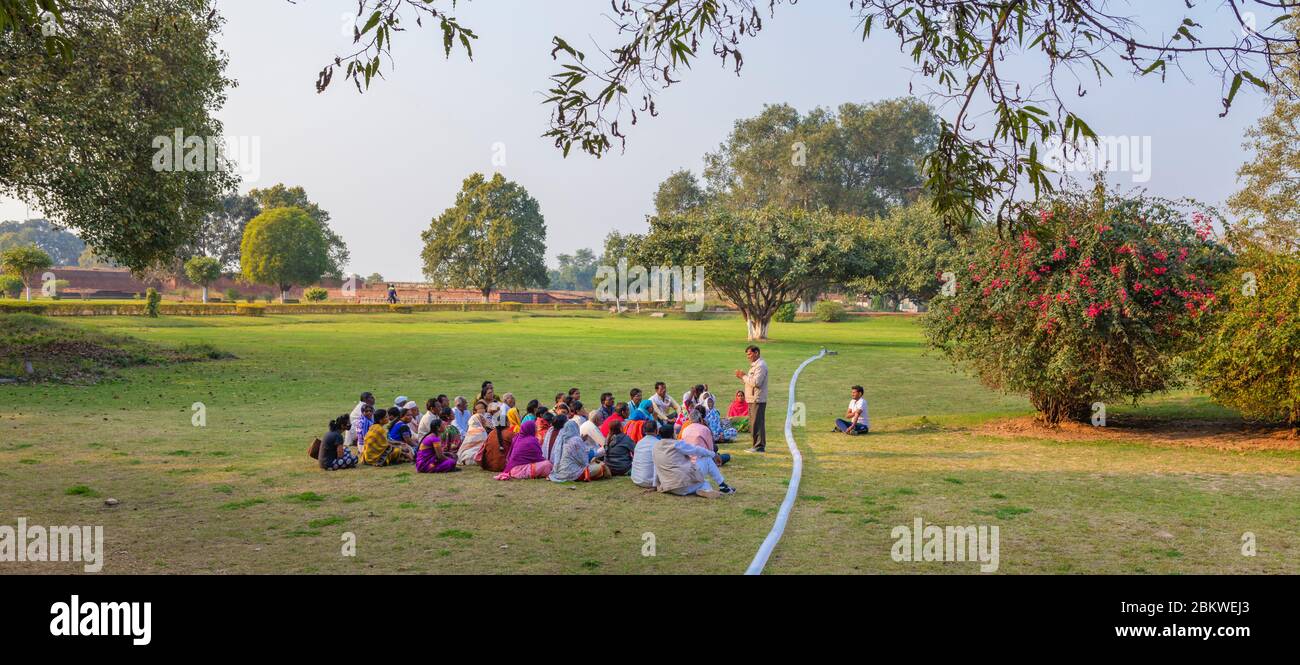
[{"x": 241, "y": 495}]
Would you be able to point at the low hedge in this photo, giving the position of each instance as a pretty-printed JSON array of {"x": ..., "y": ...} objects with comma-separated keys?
[{"x": 128, "y": 308}]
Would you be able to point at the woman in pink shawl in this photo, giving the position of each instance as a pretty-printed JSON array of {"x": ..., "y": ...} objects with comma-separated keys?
[{"x": 526, "y": 459}]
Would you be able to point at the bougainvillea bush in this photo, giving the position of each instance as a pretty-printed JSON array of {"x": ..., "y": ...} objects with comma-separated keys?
[
  {"x": 1093, "y": 301},
  {"x": 1251, "y": 361}
]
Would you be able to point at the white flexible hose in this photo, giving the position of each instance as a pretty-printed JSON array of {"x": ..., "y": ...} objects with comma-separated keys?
[{"x": 783, "y": 515}]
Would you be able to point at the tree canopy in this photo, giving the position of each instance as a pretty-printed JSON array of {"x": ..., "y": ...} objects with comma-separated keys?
[
  {"x": 78, "y": 122},
  {"x": 761, "y": 258},
  {"x": 494, "y": 237},
  {"x": 860, "y": 159},
  {"x": 63, "y": 247}
]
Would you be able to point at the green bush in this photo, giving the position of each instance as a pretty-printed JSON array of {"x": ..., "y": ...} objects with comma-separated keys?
[
  {"x": 829, "y": 311},
  {"x": 315, "y": 294},
  {"x": 250, "y": 310},
  {"x": 152, "y": 299},
  {"x": 11, "y": 286},
  {"x": 1251, "y": 361},
  {"x": 1096, "y": 300},
  {"x": 231, "y": 295},
  {"x": 785, "y": 313}
]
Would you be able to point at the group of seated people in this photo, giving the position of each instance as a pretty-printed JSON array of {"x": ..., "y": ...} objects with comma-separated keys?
[{"x": 658, "y": 442}]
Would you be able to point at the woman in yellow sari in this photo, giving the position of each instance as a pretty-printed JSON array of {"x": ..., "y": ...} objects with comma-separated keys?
[
  {"x": 377, "y": 450},
  {"x": 513, "y": 419}
]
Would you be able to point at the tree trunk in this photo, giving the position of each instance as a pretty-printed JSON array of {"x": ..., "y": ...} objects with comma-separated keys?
[
  {"x": 487, "y": 296},
  {"x": 29, "y": 293},
  {"x": 205, "y": 294},
  {"x": 757, "y": 327},
  {"x": 1052, "y": 410},
  {"x": 283, "y": 292}
]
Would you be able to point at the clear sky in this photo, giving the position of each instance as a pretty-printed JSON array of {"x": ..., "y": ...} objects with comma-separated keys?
[{"x": 385, "y": 162}]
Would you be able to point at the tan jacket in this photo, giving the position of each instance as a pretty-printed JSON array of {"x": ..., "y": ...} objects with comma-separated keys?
[
  {"x": 756, "y": 382},
  {"x": 674, "y": 471}
]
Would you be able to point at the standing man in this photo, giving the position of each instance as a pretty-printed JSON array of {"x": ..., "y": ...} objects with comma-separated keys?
[{"x": 756, "y": 395}]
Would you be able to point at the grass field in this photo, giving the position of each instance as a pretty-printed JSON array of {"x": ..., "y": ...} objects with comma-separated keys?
[{"x": 241, "y": 496}]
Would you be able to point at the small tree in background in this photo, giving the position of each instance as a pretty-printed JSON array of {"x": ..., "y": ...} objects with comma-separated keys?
[
  {"x": 151, "y": 301},
  {"x": 315, "y": 294},
  {"x": 203, "y": 270},
  {"x": 26, "y": 263},
  {"x": 11, "y": 285},
  {"x": 283, "y": 247},
  {"x": 1094, "y": 303},
  {"x": 1251, "y": 361}
]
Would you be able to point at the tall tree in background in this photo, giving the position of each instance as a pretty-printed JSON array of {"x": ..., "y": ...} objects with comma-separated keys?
[
  {"x": 64, "y": 248},
  {"x": 280, "y": 196},
  {"x": 78, "y": 123},
  {"x": 575, "y": 271},
  {"x": 493, "y": 238},
  {"x": 283, "y": 247},
  {"x": 858, "y": 160},
  {"x": 223, "y": 230},
  {"x": 1269, "y": 201}
]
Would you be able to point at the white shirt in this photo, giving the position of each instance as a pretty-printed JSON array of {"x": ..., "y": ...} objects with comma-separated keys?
[
  {"x": 663, "y": 404},
  {"x": 350, "y": 437},
  {"x": 860, "y": 405},
  {"x": 426, "y": 424},
  {"x": 643, "y": 462},
  {"x": 591, "y": 432}
]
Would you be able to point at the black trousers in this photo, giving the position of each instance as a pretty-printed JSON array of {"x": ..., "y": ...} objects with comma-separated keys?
[{"x": 758, "y": 426}]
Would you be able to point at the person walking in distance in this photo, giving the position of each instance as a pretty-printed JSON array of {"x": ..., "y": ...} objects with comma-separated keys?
[{"x": 756, "y": 395}]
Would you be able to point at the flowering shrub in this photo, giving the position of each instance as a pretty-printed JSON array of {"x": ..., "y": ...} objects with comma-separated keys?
[
  {"x": 1094, "y": 302},
  {"x": 1251, "y": 361}
]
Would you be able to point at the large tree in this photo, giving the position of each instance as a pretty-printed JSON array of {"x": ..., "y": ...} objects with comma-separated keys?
[
  {"x": 63, "y": 247},
  {"x": 494, "y": 237},
  {"x": 1269, "y": 200},
  {"x": 859, "y": 160},
  {"x": 283, "y": 247},
  {"x": 280, "y": 196},
  {"x": 79, "y": 121},
  {"x": 760, "y": 259}
]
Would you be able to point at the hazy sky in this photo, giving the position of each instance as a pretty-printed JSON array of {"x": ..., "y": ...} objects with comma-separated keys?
[{"x": 385, "y": 162}]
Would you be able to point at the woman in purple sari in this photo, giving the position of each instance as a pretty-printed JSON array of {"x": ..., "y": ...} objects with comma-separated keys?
[{"x": 429, "y": 458}]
